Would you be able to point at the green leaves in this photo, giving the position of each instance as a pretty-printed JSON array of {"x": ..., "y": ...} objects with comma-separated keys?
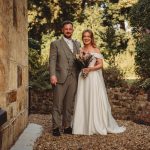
[
  {"x": 142, "y": 57},
  {"x": 48, "y": 15},
  {"x": 140, "y": 20},
  {"x": 146, "y": 84},
  {"x": 139, "y": 15},
  {"x": 38, "y": 71}
]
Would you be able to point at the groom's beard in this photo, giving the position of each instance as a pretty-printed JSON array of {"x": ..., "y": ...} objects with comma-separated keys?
[{"x": 68, "y": 36}]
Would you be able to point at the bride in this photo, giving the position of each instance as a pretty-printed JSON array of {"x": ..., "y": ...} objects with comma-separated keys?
[{"x": 92, "y": 109}]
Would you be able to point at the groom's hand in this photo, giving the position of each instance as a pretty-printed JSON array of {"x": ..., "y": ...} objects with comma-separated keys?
[{"x": 53, "y": 80}]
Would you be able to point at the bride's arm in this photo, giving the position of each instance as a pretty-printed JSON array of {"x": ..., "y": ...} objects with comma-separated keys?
[{"x": 99, "y": 64}]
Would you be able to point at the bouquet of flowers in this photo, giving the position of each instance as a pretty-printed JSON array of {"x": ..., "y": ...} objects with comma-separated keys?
[{"x": 83, "y": 60}]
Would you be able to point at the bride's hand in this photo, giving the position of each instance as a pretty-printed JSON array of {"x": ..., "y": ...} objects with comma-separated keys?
[{"x": 86, "y": 70}]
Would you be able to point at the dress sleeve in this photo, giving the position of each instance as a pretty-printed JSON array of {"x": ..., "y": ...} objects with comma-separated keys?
[{"x": 99, "y": 56}]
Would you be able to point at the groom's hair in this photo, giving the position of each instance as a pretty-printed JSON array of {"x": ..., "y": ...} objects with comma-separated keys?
[{"x": 66, "y": 22}]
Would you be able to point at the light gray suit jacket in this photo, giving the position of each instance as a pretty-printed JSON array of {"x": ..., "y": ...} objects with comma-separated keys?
[{"x": 60, "y": 58}]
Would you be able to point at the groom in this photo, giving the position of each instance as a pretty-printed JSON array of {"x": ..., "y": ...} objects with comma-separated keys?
[{"x": 63, "y": 77}]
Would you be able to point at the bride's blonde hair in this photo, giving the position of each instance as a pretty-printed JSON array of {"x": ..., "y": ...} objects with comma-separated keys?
[{"x": 91, "y": 36}]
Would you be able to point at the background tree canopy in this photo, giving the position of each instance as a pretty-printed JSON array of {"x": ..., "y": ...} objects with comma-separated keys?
[
  {"x": 109, "y": 19},
  {"x": 139, "y": 16},
  {"x": 140, "y": 20}
]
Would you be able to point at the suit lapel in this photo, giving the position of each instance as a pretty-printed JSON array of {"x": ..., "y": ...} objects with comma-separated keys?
[{"x": 75, "y": 47}]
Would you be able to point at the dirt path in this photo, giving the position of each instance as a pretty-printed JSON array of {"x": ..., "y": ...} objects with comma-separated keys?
[{"x": 136, "y": 137}]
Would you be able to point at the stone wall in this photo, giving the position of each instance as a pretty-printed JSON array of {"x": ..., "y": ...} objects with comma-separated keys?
[
  {"x": 124, "y": 104},
  {"x": 40, "y": 101},
  {"x": 13, "y": 69}
]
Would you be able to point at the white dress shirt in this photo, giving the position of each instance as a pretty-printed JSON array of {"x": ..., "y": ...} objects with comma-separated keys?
[{"x": 69, "y": 43}]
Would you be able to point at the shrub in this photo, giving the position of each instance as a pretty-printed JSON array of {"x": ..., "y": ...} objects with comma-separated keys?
[
  {"x": 142, "y": 58},
  {"x": 140, "y": 85},
  {"x": 39, "y": 78},
  {"x": 145, "y": 84},
  {"x": 113, "y": 77}
]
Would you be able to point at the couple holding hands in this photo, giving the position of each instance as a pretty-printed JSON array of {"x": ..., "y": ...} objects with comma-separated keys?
[{"x": 80, "y": 105}]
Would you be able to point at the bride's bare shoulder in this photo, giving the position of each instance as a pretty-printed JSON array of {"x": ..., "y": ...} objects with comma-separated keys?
[{"x": 97, "y": 50}]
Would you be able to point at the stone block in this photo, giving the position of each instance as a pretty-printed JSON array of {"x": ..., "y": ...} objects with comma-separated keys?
[
  {"x": 2, "y": 42},
  {"x": 13, "y": 53},
  {"x": 2, "y": 76},
  {"x": 10, "y": 112},
  {"x": 11, "y": 132},
  {"x": 11, "y": 97},
  {"x": 15, "y": 111},
  {"x": 5, "y": 135},
  {"x": 19, "y": 76},
  {"x": 25, "y": 60},
  {"x": 12, "y": 76},
  {"x": 25, "y": 77},
  {"x": 3, "y": 100},
  {"x": 20, "y": 106}
]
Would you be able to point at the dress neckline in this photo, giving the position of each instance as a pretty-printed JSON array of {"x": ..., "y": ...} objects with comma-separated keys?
[
  {"x": 93, "y": 53},
  {"x": 90, "y": 52}
]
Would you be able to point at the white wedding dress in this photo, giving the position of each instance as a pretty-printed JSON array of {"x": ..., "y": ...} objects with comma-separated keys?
[{"x": 92, "y": 114}]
